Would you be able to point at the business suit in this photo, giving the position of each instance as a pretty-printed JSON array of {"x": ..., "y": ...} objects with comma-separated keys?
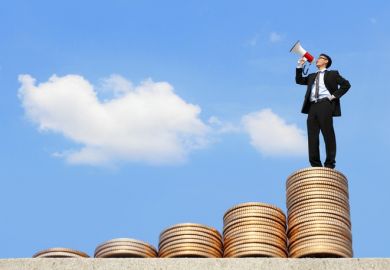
[{"x": 320, "y": 114}]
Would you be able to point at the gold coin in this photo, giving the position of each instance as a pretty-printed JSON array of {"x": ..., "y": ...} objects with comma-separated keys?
[
  {"x": 256, "y": 250},
  {"x": 252, "y": 204},
  {"x": 336, "y": 239},
  {"x": 340, "y": 198},
  {"x": 307, "y": 190},
  {"x": 321, "y": 252},
  {"x": 317, "y": 216},
  {"x": 167, "y": 245},
  {"x": 124, "y": 253},
  {"x": 58, "y": 254},
  {"x": 305, "y": 234},
  {"x": 125, "y": 242},
  {"x": 316, "y": 194},
  {"x": 320, "y": 230},
  {"x": 253, "y": 221},
  {"x": 320, "y": 223},
  {"x": 266, "y": 210},
  {"x": 321, "y": 180},
  {"x": 189, "y": 233},
  {"x": 252, "y": 234},
  {"x": 255, "y": 229},
  {"x": 323, "y": 208},
  {"x": 315, "y": 186},
  {"x": 345, "y": 216},
  {"x": 254, "y": 213},
  {"x": 315, "y": 202},
  {"x": 60, "y": 249},
  {"x": 310, "y": 176},
  {"x": 192, "y": 247},
  {"x": 248, "y": 239},
  {"x": 321, "y": 245},
  {"x": 129, "y": 249},
  {"x": 342, "y": 243},
  {"x": 126, "y": 247},
  {"x": 190, "y": 253},
  {"x": 190, "y": 238},
  {"x": 317, "y": 170},
  {"x": 193, "y": 226}
]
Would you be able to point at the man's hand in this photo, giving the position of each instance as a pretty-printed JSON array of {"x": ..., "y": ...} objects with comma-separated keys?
[
  {"x": 332, "y": 97},
  {"x": 301, "y": 62}
]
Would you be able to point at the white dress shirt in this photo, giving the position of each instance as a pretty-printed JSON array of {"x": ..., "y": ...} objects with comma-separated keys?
[{"x": 323, "y": 92}]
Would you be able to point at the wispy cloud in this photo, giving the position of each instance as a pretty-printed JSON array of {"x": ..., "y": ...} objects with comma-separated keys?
[
  {"x": 272, "y": 136},
  {"x": 275, "y": 37},
  {"x": 147, "y": 123}
]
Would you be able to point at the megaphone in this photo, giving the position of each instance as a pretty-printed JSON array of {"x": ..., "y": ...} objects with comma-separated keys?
[{"x": 297, "y": 48}]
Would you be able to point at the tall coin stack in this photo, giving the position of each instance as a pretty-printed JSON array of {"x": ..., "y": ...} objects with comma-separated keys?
[
  {"x": 125, "y": 248},
  {"x": 60, "y": 253},
  {"x": 254, "y": 230},
  {"x": 190, "y": 240},
  {"x": 319, "y": 222}
]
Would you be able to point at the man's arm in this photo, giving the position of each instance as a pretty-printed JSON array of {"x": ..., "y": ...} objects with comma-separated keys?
[
  {"x": 344, "y": 85},
  {"x": 299, "y": 79}
]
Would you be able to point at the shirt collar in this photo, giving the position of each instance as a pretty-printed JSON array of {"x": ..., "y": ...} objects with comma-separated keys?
[{"x": 322, "y": 70}]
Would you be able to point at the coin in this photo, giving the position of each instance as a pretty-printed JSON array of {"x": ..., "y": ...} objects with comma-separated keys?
[
  {"x": 255, "y": 229},
  {"x": 255, "y": 250},
  {"x": 253, "y": 221},
  {"x": 60, "y": 250},
  {"x": 255, "y": 209},
  {"x": 126, "y": 242},
  {"x": 193, "y": 226}
]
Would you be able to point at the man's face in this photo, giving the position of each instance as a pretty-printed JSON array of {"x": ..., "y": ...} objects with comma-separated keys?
[{"x": 321, "y": 61}]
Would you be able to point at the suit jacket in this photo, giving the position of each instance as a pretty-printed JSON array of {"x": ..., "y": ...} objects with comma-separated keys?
[{"x": 336, "y": 85}]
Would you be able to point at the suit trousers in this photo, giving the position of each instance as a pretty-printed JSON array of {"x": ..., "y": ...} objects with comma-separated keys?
[{"x": 320, "y": 118}]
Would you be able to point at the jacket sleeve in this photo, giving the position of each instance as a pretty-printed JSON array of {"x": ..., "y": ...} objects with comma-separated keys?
[
  {"x": 299, "y": 79},
  {"x": 344, "y": 85}
]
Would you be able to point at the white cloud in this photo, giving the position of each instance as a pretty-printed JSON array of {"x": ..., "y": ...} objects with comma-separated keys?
[
  {"x": 148, "y": 123},
  {"x": 272, "y": 136},
  {"x": 275, "y": 37},
  {"x": 220, "y": 126}
]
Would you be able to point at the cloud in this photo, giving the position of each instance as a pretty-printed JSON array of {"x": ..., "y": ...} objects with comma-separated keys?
[
  {"x": 272, "y": 136},
  {"x": 147, "y": 123},
  {"x": 275, "y": 37}
]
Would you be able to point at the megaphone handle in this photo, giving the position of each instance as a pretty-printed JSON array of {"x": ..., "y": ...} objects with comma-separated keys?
[{"x": 307, "y": 69}]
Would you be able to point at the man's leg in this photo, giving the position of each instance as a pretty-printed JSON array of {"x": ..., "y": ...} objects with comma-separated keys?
[
  {"x": 326, "y": 125},
  {"x": 313, "y": 133}
]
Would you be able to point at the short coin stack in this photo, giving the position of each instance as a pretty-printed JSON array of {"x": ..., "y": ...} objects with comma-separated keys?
[
  {"x": 318, "y": 214},
  {"x": 60, "y": 253},
  {"x": 190, "y": 240},
  {"x": 254, "y": 230},
  {"x": 125, "y": 248}
]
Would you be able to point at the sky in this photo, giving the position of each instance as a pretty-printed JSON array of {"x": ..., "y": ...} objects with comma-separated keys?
[{"x": 121, "y": 118}]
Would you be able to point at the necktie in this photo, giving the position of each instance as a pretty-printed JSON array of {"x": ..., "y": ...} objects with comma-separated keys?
[{"x": 316, "y": 94}]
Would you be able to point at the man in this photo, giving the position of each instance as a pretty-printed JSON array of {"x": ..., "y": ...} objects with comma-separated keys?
[{"x": 322, "y": 102}]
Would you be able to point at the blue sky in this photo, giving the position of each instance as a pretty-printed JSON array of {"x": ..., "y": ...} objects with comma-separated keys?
[{"x": 96, "y": 152}]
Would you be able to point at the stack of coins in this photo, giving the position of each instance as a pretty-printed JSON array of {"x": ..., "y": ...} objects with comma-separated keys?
[
  {"x": 60, "y": 253},
  {"x": 254, "y": 230},
  {"x": 125, "y": 248},
  {"x": 190, "y": 240},
  {"x": 319, "y": 222}
]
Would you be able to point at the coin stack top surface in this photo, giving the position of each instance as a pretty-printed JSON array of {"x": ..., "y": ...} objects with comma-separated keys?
[
  {"x": 125, "y": 248},
  {"x": 319, "y": 223},
  {"x": 60, "y": 252},
  {"x": 254, "y": 229},
  {"x": 190, "y": 240}
]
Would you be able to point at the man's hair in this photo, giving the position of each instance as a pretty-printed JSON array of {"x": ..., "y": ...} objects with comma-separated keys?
[{"x": 329, "y": 59}]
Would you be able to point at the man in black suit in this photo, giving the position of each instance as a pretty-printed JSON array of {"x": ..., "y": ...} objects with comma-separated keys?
[{"x": 322, "y": 102}]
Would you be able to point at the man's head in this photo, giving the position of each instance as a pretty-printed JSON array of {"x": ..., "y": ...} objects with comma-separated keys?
[{"x": 323, "y": 61}]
